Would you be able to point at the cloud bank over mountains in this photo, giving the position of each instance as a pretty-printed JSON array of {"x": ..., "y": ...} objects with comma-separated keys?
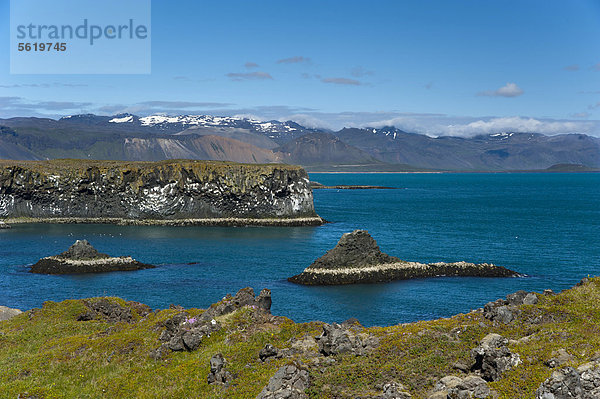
[{"x": 424, "y": 123}]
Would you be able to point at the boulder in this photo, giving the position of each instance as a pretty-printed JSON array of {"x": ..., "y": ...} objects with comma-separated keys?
[
  {"x": 188, "y": 334},
  {"x": 357, "y": 259},
  {"x": 394, "y": 390},
  {"x": 244, "y": 297},
  {"x": 267, "y": 352},
  {"x": 470, "y": 387},
  {"x": 218, "y": 374},
  {"x": 452, "y": 387},
  {"x": 8, "y": 313},
  {"x": 568, "y": 383},
  {"x": 338, "y": 339},
  {"x": 505, "y": 310},
  {"x": 81, "y": 257},
  {"x": 563, "y": 384},
  {"x": 4, "y": 225},
  {"x": 492, "y": 357},
  {"x": 289, "y": 382},
  {"x": 107, "y": 310}
]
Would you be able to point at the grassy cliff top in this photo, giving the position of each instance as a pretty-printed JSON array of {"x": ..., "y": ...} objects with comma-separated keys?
[
  {"x": 48, "y": 353},
  {"x": 67, "y": 165}
]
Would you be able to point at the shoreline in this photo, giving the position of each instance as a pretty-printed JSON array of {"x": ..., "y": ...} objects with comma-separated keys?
[
  {"x": 459, "y": 172},
  {"x": 211, "y": 222},
  {"x": 236, "y": 348}
]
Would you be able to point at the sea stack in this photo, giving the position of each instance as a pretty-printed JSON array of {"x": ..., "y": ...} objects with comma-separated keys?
[
  {"x": 357, "y": 259},
  {"x": 82, "y": 257}
]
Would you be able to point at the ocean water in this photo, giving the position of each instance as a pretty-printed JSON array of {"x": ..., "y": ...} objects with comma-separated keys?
[{"x": 544, "y": 225}]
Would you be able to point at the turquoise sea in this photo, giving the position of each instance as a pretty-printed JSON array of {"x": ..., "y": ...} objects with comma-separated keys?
[{"x": 544, "y": 225}]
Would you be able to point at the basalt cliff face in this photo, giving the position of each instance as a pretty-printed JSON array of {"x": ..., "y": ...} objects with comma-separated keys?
[{"x": 168, "y": 191}]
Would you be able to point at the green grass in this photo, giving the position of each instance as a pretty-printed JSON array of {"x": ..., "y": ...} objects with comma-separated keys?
[{"x": 48, "y": 353}]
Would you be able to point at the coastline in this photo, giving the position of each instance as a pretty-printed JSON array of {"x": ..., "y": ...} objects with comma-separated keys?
[
  {"x": 461, "y": 172},
  {"x": 216, "y": 222},
  {"x": 237, "y": 348}
]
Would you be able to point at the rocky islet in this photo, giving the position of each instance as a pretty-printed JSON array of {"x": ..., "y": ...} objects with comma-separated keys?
[
  {"x": 82, "y": 257},
  {"x": 357, "y": 259}
]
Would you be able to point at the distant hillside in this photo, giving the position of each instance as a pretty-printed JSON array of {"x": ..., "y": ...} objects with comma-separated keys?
[
  {"x": 210, "y": 147},
  {"x": 502, "y": 151},
  {"x": 323, "y": 149},
  {"x": 157, "y": 137}
]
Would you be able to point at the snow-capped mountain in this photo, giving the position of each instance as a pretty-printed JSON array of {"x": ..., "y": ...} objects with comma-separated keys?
[
  {"x": 129, "y": 137},
  {"x": 275, "y": 130}
]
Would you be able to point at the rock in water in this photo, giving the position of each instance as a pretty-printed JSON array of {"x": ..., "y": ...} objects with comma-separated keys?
[
  {"x": 82, "y": 257},
  {"x": 4, "y": 225},
  {"x": 357, "y": 259},
  {"x": 81, "y": 250}
]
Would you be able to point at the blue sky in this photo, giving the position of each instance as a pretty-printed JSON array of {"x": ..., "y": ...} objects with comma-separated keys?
[{"x": 437, "y": 67}]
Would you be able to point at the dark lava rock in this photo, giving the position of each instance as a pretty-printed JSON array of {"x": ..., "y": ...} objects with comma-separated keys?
[
  {"x": 244, "y": 297},
  {"x": 81, "y": 257},
  {"x": 505, "y": 310},
  {"x": 267, "y": 352},
  {"x": 354, "y": 249},
  {"x": 184, "y": 333},
  {"x": 218, "y": 374},
  {"x": 82, "y": 250},
  {"x": 289, "y": 382},
  {"x": 337, "y": 339},
  {"x": 492, "y": 357},
  {"x": 357, "y": 259},
  {"x": 568, "y": 383},
  {"x": 188, "y": 334},
  {"x": 110, "y": 311}
]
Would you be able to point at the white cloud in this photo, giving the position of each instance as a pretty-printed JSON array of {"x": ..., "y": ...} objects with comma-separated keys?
[
  {"x": 508, "y": 90},
  {"x": 519, "y": 124}
]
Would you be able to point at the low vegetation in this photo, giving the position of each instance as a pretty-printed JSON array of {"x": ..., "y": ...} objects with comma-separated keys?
[{"x": 49, "y": 353}]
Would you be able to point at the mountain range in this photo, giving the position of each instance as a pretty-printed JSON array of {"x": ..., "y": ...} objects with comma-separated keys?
[{"x": 158, "y": 137}]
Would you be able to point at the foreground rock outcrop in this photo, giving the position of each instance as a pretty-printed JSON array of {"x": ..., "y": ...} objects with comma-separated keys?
[
  {"x": 184, "y": 333},
  {"x": 492, "y": 357},
  {"x": 582, "y": 382},
  {"x": 193, "y": 192},
  {"x": 8, "y": 313},
  {"x": 289, "y": 382},
  {"x": 357, "y": 259},
  {"x": 81, "y": 257}
]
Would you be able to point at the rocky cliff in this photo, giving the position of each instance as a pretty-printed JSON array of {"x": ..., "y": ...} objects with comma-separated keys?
[{"x": 168, "y": 190}]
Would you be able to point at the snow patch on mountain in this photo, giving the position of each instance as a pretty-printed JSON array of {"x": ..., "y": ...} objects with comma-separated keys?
[{"x": 124, "y": 119}]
